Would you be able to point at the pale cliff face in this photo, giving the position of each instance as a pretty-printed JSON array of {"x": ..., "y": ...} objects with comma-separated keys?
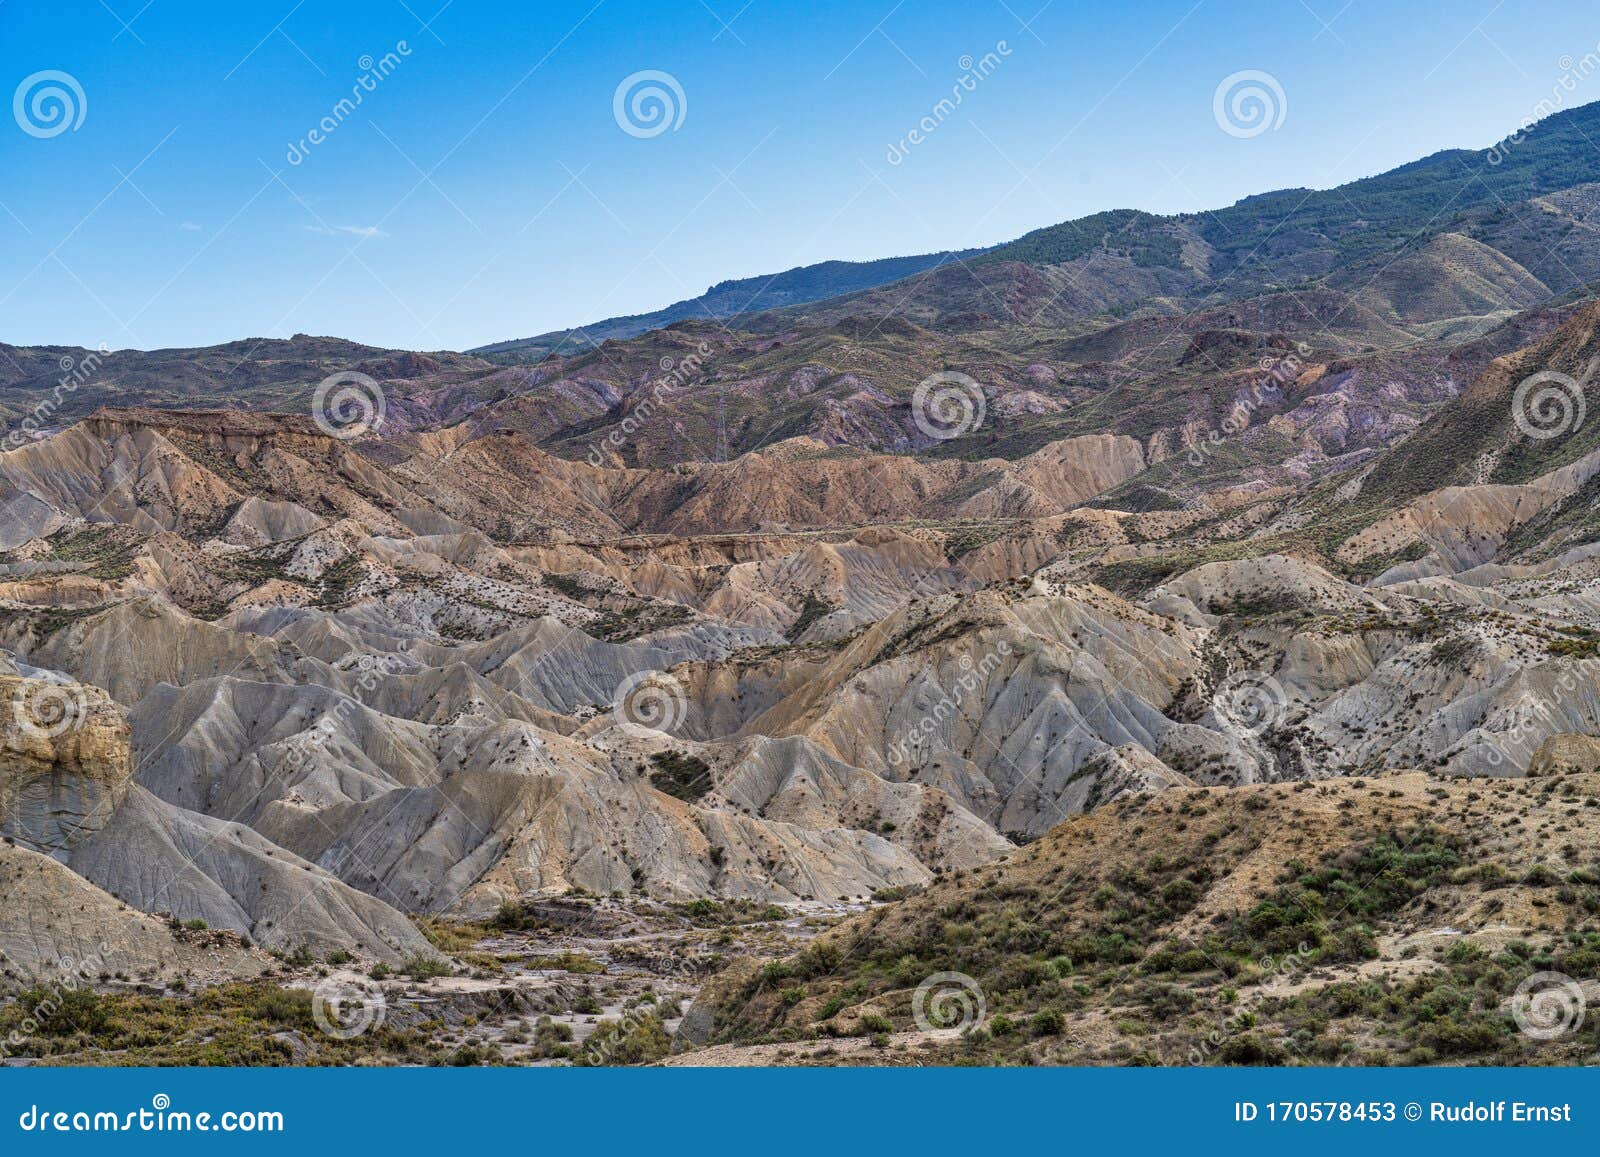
[{"x": 65, "y": 761}]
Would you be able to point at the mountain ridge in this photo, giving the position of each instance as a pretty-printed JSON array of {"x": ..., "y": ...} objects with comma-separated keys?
[{"x": 731, "y": 297}]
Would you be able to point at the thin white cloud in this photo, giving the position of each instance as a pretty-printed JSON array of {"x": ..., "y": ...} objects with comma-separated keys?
[
  {"x": 190, "y": 227},
  {"x": 354, "y": 230}
]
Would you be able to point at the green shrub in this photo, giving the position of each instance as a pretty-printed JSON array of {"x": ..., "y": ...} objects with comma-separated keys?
[
  {"x": 425, "y": 967},
  {"x": 1047, "y": 1022},
  {"x": 685, "y": 777},
  {"x": 1249, "y": 1049}
]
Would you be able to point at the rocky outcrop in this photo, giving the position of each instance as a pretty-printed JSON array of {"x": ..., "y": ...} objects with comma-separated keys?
[
  {"x": 65, "y": 761},
  {"x": 1564, "y": 754}
]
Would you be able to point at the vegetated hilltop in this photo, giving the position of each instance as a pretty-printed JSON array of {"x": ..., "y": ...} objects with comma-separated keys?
[{"x": 1392, "y": 919}]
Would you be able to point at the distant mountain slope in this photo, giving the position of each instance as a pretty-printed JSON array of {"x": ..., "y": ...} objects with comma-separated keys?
[
  {"x": 1119, "y": 322},
  {"x": 1530, "y": 204},
  {"x": 1477, "y": 438},
  {"x": 57, "y": 384},
  {"x": 1292, "y": 234},
  {"x": 1302, "y": 228},
  {"x": 793, "y": 287}
]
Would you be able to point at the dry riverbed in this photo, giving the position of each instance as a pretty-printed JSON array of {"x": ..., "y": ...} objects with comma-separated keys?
[{"x": 564, "y": 981}]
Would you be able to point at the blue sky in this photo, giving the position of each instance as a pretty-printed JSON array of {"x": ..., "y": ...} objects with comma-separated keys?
[{"x": 484, "y": 189}]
